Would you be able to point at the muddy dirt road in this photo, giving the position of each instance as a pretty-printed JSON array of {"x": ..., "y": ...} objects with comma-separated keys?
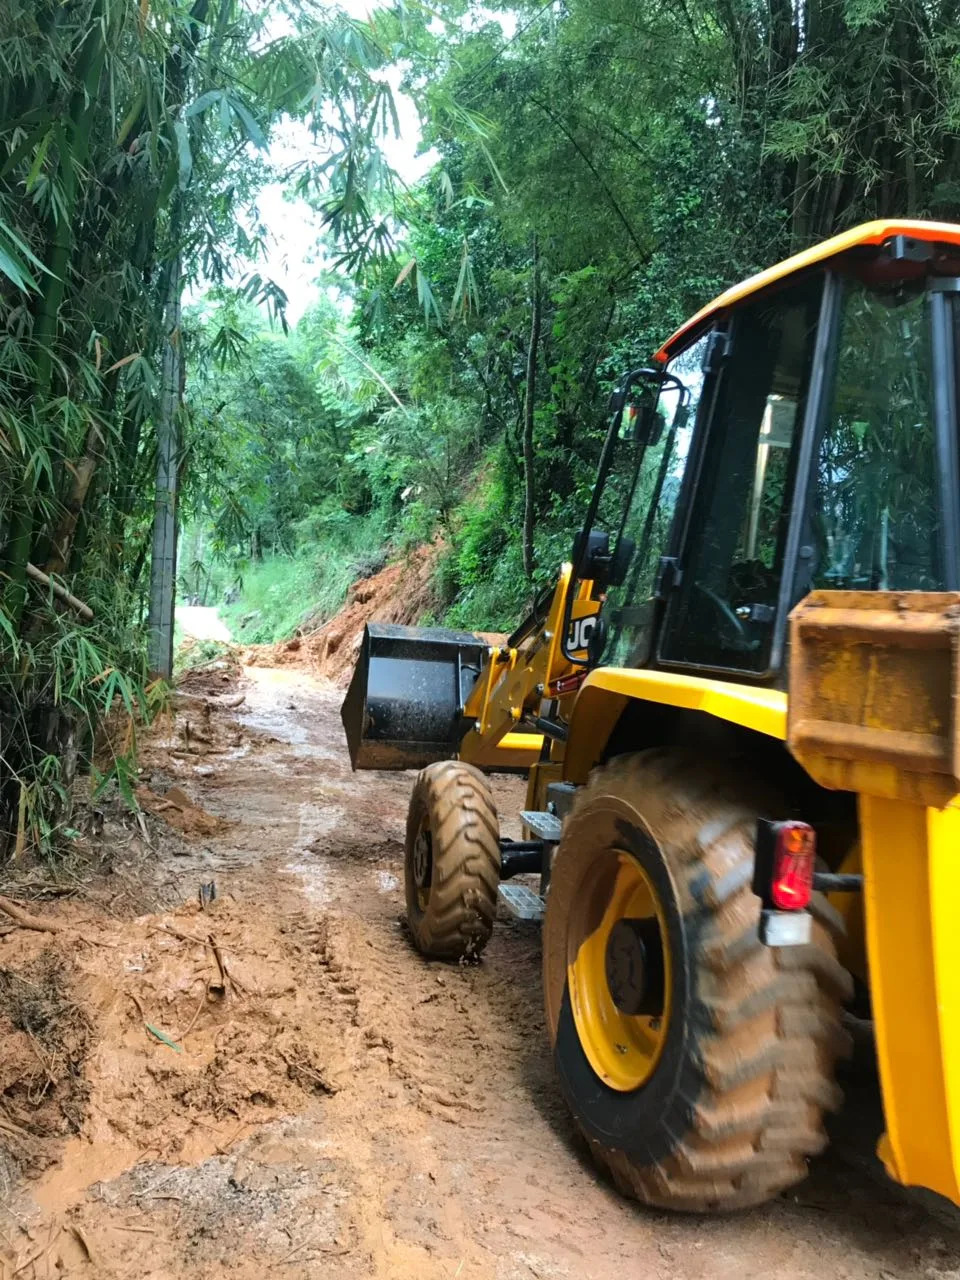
[{"x": 332, "y": 1105}]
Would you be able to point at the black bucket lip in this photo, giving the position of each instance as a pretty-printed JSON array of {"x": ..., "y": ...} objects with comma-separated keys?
[{"x": 429, "y": 635}]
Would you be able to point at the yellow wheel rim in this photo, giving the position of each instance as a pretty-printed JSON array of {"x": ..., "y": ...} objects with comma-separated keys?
[{"x": 622, "y": 1047}]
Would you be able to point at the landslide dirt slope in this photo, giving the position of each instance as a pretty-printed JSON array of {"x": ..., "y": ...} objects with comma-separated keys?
[
  {"x": 331, "y": 1105},
  {"x": 402, "y": 593}
]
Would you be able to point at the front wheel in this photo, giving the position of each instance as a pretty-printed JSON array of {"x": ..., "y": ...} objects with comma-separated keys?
[
  {"x": 452, "y": 862},
  {"x": 697, "y": 1061}
]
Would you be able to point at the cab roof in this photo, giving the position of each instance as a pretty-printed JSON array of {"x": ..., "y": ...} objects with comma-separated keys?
[{"x": 868, "y": 233}]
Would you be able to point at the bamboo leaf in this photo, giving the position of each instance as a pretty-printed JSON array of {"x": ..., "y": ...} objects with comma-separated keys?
[
  {"x": 16, "y": 271},
  {"x": 205, "y": 100},
  {"x": 162, "y": 1037},
  {"x": 248, "y": 121},
  {"x": 427, "y": 300},
  {"x": 38, "y": 161},
  {"x": 405, "y": 272},
  {"x": 184, "y": 154},
  {"x": 7, "y": 627},
  {"x": 15, "y": 256},
  {"x": 120, "y": 363}
]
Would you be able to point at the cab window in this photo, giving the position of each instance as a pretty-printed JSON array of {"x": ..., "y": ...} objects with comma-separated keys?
[
  {"x": 722, "y": 612},
  {"x": 650, "y": 506}
]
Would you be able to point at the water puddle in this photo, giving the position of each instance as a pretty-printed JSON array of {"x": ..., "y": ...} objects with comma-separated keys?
[
  {"x": 387, "y": 881},
  {"x": 315, "y": 881}
]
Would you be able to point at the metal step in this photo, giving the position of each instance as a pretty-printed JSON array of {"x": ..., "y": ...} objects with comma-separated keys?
[
  {"x": 520, "y": 902},
  {"x": 545, "y": 826}
]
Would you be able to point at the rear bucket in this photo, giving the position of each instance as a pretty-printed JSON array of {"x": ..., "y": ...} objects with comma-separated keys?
[{"x": 404, "y": 707}]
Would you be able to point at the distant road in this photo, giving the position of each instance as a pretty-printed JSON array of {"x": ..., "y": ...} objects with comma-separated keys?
[{"x": 202, "y": 623}]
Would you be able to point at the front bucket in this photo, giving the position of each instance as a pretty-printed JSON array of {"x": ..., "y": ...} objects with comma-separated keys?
[{"x": 403, "y": 708}]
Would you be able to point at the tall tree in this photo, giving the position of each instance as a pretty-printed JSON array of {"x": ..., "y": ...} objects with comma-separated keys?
[{"x": 529, "y": 408}]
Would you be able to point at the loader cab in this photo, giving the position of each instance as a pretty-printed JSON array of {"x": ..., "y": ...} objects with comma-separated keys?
[{"x": 807, "y": 438}]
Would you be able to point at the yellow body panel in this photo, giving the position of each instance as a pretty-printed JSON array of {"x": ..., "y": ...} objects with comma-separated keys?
[
  {"x": 874, "y": 681},
  {"x": 606, "y": 693},
  {"x": 868, "y": 233},
  {"x": 511, "y": 686},
  {"x": 911, "y": 881}
]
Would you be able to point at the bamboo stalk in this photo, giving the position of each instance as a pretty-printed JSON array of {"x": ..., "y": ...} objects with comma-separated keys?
[
  {"x": 60, "y": 592},
  {"x": 528, "y": 417}
]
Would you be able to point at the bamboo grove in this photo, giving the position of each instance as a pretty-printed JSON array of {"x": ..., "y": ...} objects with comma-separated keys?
[{"x": 132, "y": 144}]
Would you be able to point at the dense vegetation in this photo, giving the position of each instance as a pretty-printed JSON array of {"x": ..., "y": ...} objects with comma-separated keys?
[
  {"x": 604, "y": 166},
  {"x": 629, "y": 161}
]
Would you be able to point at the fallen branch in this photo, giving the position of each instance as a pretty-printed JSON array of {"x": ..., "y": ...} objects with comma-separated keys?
[
  {"x": 136, "y": 1001},
  {"x": 60, "y": 592},
  {"x": 224, "y": 1147},
  {"x": 25, "y": 920},
  {"x": 218, "y": 956},
  {"x": 83, "y": 1242},
  {"x": 193, "y": 1021},
  {"x": 175, "y": 933}
]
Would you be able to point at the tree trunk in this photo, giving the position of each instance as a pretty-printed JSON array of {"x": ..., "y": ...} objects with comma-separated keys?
[
  {"x": 528, "y": 408},
  {"x": 163, "y": 563}
]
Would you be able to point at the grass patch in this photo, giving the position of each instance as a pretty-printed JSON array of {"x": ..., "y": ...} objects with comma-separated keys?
[
  {"x": 191, "y": 653},
  {"x": 282, "y": 593}
]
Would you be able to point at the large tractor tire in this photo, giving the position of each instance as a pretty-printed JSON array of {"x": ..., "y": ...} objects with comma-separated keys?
[
  {"x": 697, "y": 1061},
  {"x": 452, "y": 863}
]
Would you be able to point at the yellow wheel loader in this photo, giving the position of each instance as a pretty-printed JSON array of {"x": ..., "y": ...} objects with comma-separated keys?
[{"x": 737, "y": 714}]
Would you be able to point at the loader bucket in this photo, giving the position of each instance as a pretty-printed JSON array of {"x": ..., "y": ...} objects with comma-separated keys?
[{"x": 403, "y": 709}]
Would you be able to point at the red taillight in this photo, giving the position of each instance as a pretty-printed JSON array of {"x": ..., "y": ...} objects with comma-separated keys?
[{"x": 794, "y": 857}]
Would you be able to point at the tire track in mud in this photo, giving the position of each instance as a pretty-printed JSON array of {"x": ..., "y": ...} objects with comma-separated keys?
[{"x": 351, "y": 1109}]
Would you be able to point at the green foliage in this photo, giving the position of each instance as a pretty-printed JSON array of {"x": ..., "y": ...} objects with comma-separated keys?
[
  {"x": 283, "y": 593},
  {"x": 481, "y": 576},
  {"x": 191, "y": 656}
]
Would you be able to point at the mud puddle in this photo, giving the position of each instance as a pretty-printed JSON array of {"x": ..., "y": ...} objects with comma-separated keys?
[{"x": 272, "y": 1082}]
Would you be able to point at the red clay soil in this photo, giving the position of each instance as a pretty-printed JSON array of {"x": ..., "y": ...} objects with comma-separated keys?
[
  {"x": 228, "y": 1062},
  {"x": 402, "y": 593}
]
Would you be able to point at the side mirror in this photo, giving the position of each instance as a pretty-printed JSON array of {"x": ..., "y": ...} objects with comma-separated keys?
[
  {"x": 620, "y": 562},
  {"x": 647, "y": 423},
  {"x": 591, "y": 550},
  {"x": 593, "y": 559}
]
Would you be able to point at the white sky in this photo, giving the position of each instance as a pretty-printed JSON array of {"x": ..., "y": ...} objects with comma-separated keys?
[{"x": 294, "y": 256}]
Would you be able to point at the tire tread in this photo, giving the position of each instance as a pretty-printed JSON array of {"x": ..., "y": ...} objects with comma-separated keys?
[
  {"x": 766, "y": 1022},
  {"x": 458, "y": 805}
]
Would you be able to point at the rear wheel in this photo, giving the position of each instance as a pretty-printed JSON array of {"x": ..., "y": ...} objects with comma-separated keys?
[
  {"x": 697, "y": 1061},
  {"x": 452, "y": 863}
]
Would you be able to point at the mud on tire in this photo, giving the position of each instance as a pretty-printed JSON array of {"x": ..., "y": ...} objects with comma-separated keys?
[
  {"x": 452, "y": 861},
  {"x": 735, "y": 1103}
]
